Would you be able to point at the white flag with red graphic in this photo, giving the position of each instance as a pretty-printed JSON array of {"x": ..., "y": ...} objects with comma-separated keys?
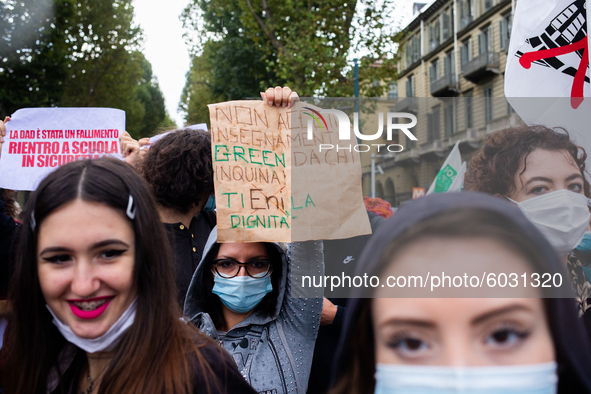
[
  {"x": 547, "y": 70},
  {"x": 548, "y": 55}
]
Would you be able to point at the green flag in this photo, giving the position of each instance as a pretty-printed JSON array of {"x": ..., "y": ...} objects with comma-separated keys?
[{"x": 448, "y": 172}]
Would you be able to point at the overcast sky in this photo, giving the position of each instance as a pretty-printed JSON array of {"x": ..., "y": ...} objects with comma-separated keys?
[{"x": 165, "y": 48}]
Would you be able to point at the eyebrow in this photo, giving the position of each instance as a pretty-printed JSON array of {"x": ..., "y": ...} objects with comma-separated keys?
[
  {"x": 262, "y": 256},
  {"x": 409, "y": 322},
  {"x": 544, "y": 179},
  {"x": 97, "y": 245},
  {"x": 504, "y": 310},
  {"x": 478, "y": 320}
]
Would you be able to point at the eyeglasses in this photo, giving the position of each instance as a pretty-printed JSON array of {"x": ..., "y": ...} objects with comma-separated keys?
[{"x": 229, "y": 268}]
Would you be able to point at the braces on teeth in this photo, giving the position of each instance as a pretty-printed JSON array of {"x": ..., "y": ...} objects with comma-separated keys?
[{"x": 90, "y": 306}]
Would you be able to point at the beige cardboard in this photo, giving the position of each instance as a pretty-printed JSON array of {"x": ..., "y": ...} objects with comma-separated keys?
[
  {"x": 253, "y": 150},
  {"x": 331, "y": 180}
]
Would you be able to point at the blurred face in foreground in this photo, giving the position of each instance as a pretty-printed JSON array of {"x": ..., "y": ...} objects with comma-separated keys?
[{"x": 460, "y": 331}]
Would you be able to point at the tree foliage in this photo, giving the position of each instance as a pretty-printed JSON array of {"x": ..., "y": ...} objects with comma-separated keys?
[
  {"x": 77, "y": 53},
  {"x": 244, "y": 46}
]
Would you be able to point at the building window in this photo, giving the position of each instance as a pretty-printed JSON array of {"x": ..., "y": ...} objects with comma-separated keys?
[
  {"x": 393, "y": 92},
  {"x": 434, "y": 71},
  {"x": 446, "y": 25},
  {"x": 466, "y": 12},
  {"x": 416, "y": 48},
  {"x": 448, "y": 64},
  {"x": 469, "y": 108},
  {"x": 433, "y": 124},
  {"x": 410, "y": 144},
  {"x": 434, "y": 34},
  {"x": 410, "y": 86},
  {"x": 466, "y": 52},
  {"x": 485, "y": 41},
  {"x": 488, "y": 104},
  {"x": 505, "y": 32},
  {"x": 449, "y": 118},
  {"x": 487, "y": 5}
]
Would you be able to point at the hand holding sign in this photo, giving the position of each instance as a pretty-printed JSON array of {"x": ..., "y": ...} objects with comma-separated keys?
[
  {"x": 280, "y": 96},
  {"x": 130, "y": 148},
  {"x": 3, "y": 131}
]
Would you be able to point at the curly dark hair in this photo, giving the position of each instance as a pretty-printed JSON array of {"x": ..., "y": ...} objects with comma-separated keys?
[
  {"x": 179, "y": 170},
  {"x": 493, "y": 169}
]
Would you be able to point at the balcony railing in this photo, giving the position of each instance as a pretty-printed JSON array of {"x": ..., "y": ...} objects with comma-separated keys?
[
  {"x": 407, "y": 104},
  {"x": 408, "y": 157},
  {"x": 481, "y": 66},
  {"x": 432, "y": 149},
  {"x": 445, "y": 86}
]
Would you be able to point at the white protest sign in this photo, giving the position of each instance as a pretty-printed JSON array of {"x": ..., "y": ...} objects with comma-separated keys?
[
  {"x": 38, "y": 140},
  {"x": 198, "y": 126},
  {"x": 156, "y": 138}
]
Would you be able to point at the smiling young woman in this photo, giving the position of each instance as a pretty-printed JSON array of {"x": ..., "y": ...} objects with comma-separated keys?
[{"x": 93, "y": 295}]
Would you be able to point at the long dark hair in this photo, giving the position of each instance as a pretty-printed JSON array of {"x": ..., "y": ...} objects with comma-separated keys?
[
  {"x": 212, "y": 303},
  {"x": 155, "y": 354}
]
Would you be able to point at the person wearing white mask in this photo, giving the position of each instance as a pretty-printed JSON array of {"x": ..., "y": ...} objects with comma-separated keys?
[
  {"x": 93, "y": 297},
  {"x": 520, "y": 345},
  {"x": 542, "y": 171}
]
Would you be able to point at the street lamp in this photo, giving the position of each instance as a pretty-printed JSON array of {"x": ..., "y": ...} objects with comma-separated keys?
[{"x": 373, "y": 173}]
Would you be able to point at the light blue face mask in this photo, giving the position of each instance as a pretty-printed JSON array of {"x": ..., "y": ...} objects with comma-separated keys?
[
  {"x": 514, "y": 379},
  {"x": 241, "y": 294},
  {"x": 210, "y": 204},
  {"x": 585, "y": 244}
]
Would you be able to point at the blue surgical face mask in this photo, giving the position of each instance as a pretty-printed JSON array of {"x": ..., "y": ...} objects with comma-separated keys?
[
  {"x": 241, "y": 294},
  {"x": 514, "y": 379},
  {"x": 585, "y": 244},
  {"x": 210, "y": 204}
]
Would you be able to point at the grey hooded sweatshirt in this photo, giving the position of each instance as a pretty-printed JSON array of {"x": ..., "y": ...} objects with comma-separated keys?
[{"x": 274, "y": 354}]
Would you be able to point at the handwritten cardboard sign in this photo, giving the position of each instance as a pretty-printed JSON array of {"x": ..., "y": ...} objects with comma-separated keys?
[
  {"x": 250, "y": 150},
  {"x": 271, "y": 183},
  {"x": 38, "y": 140}
]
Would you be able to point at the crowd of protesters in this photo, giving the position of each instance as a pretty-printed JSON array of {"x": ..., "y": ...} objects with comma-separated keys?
[{"x": 112, "y": 281}]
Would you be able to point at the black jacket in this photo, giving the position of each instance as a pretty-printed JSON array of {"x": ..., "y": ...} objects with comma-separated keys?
[{"x": 187, "y": 248}]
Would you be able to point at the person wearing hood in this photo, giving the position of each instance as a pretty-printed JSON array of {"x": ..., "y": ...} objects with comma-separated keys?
[
  {"x": 178, "y": 168},
  {"x": 525, "y": 344},
  {"x": 241, "y": 295},
  {"x": 541, "y": 170}
]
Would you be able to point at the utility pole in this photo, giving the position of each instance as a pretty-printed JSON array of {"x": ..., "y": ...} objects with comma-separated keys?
[{"x": 373, "y": 175}]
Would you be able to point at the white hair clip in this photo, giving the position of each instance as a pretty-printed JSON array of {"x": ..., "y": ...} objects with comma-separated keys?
[{"x": 130, "y": 208}]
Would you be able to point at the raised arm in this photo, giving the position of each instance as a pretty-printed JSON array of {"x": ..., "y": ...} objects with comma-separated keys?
[
  {"x": 3, "y": 131},
  {"x": 302, "y": 305}
]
